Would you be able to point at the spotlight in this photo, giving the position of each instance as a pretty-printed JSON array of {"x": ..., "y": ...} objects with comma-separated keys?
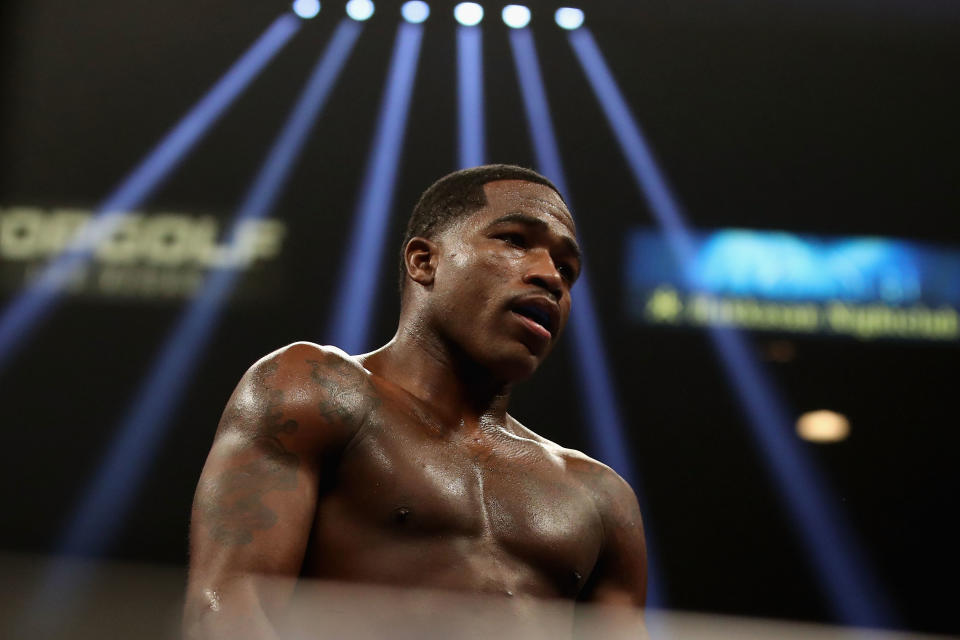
[
  {"x": 415, "y": 11},
  {"x": 568, "y": 18},
  {"x": 306, "y": 9},
  {"x": 823, "y": 426},
  {"x": 516, "y": 16},
  {"x": 468, "y": 13},
  {"x": 360, "y": 10}
]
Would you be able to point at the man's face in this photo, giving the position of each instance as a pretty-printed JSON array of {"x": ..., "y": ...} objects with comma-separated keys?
[{"x": 501, "y": 290}]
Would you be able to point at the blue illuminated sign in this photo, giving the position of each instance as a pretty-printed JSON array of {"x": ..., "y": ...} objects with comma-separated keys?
[{"x": 863, "y": 286}]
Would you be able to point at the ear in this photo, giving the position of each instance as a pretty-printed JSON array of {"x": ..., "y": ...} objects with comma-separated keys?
[{"x": 420, "y": 256}]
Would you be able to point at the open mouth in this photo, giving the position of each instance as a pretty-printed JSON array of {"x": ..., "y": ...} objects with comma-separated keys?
[{"x": 536, "y": 315}]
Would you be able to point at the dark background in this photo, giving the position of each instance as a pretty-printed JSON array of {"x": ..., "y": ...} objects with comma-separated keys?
[{"x": 818, "y": 117}]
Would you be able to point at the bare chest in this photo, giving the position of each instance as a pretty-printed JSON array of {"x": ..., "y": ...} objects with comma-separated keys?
[{"x": 502, "y": 495}]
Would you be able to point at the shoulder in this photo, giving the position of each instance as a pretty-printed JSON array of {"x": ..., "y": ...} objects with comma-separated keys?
[
  {"x": 613, "y": 495},
  {"x": 607, "y": 487},
  {"x": 318, "y": 387},
  {"x": 301, "y": 366},
  {"x": 299, "y": 359}
]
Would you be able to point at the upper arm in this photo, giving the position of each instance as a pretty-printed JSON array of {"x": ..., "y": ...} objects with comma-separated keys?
[
  {"x": 256, "y": 498},
  {"x": 620, "y": 574}
]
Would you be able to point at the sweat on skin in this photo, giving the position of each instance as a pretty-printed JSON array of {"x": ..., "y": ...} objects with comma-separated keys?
[{"x": 401, "y": 467}]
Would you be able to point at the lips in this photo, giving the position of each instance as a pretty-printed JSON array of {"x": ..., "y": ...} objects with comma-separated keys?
[{"x": 539, "y": 311}]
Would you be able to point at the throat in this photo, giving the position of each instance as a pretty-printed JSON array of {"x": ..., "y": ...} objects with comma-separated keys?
[{"x": 441, "y": 377}]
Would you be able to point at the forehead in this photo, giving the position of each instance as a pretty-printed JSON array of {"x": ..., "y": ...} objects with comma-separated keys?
[{"x": 519, "y": 196}]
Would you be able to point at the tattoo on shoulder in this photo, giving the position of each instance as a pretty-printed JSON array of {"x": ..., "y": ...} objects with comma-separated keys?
[
  {"x": 266, "y": 370},
  {"x": 346, "y": 399},
  {"x": 234, "y": 509}
]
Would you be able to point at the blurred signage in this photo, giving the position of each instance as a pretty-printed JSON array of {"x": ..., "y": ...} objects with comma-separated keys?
[
  {"x": 148, "y": 256},
  {"x": 863, "y": 287}
]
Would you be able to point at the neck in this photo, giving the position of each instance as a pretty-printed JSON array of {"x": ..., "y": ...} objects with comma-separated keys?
[{"x": 438, "y": 374}]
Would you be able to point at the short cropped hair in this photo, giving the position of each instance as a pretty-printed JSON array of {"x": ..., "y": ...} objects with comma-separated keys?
[{"x": 455, "y": 196}]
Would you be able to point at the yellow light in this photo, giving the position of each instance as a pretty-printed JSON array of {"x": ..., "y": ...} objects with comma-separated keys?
[{"x": 823, "y": 426}]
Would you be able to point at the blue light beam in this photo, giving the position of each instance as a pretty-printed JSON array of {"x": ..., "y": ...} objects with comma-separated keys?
[
  {"x": 606, "y": 430},
  {"x": 101, "y": 511},
  {"x": 38, "y": 299},
  {"x": 472, "y": 138},
  {"x": 116, "y": 482},
  {"x": 349, "y": 325},
  {"x": 842, "y": 571}
]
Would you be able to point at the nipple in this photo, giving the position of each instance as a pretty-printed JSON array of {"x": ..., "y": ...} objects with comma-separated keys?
[{"x": 401, "y": 514}]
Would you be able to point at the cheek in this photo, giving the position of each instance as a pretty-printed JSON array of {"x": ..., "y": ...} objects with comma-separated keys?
[
  {"x": 457, "y": 260},
  {"x": 500, "y": 265},
  {"x": 565, "y": 318},
  {"x": 475, "y": 279}
]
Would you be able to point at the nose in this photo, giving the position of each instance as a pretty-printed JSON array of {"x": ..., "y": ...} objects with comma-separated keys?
[{"x": 542, "y": 272}]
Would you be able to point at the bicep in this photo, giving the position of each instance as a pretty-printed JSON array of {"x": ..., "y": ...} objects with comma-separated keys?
[
  {"x": 255, "y": 501},
  {"x": 254, "y": 507},
  {"x": 251, "y": 520},
  {"x": 620, "y": 575}
]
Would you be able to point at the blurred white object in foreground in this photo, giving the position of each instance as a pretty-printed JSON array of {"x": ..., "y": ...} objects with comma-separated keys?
[{"x": 144, "y": 602}]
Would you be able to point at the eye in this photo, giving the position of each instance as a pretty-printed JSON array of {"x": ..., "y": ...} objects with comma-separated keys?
[
  {"x": 514, "y": 239},
  {"x": 567, "y": 272}
]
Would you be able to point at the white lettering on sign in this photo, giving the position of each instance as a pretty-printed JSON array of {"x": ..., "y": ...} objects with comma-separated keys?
[
  {"x": 132, "y": 255},
  {"x": 164, "y": 240}
]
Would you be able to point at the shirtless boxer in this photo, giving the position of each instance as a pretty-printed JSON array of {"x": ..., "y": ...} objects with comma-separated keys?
[{"x": 402, "y": 467}]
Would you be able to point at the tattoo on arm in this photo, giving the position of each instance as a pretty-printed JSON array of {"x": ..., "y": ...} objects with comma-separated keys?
[{"x": 233, "y": 509}]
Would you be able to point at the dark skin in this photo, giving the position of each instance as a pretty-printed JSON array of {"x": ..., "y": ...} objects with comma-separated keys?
[{"x": 402, "y": 467}]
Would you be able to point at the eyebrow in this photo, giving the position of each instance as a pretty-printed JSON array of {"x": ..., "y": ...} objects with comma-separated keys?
[{"x": 540, "y": 225}]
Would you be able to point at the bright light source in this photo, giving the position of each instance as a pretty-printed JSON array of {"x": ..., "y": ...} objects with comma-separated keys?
[
  {"x": 823, "y": 426},
  {"x": 415, "y": 11},
  {"x": 360, "y": 10},
  {"x": 568, "y": 18},
  {"x": 468, "y": 13},
  {"x": 516, "y": 16},
  {"x": 306, "y": 9}
]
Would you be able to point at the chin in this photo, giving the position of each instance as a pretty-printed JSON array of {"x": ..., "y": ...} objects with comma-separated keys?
[{"x": 514, "y": 367}]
